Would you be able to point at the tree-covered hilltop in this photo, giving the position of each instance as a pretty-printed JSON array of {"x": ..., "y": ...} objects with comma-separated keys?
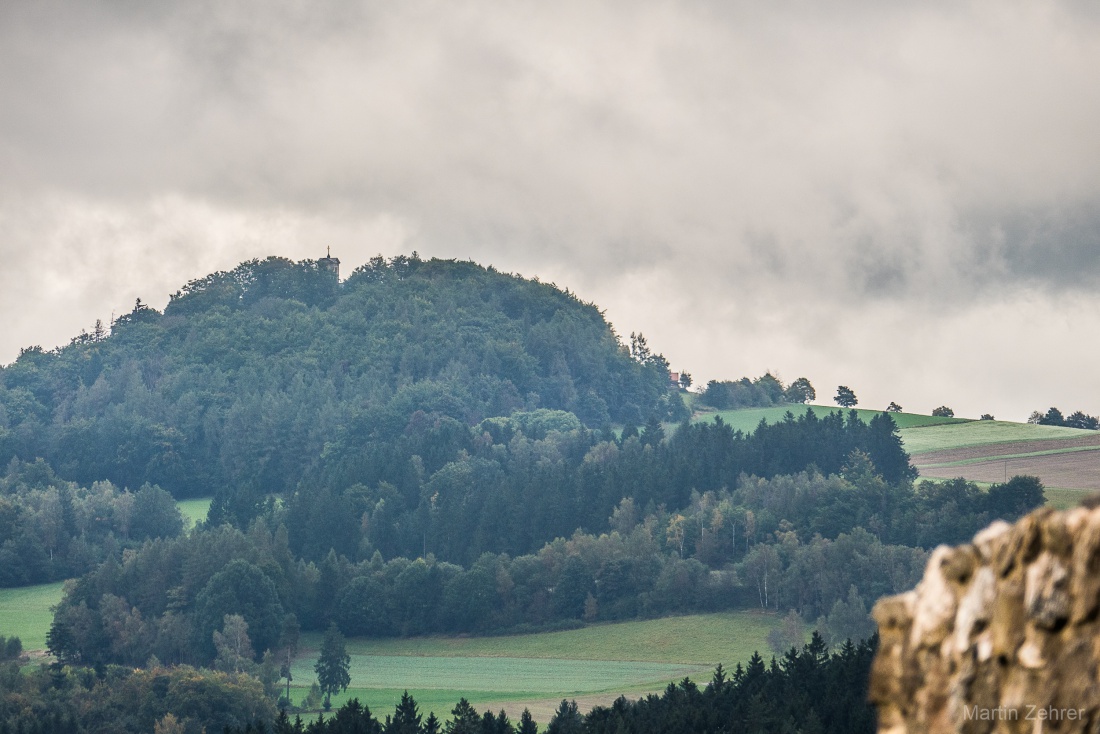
[{"x": 250, "y": 377}]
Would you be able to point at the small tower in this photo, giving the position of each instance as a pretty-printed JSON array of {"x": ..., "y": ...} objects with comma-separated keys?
[{"x": 330, "y": 264}]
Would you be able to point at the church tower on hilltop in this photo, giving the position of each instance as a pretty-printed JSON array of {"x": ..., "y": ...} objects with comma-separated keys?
[{"x": 330, "y": 264}]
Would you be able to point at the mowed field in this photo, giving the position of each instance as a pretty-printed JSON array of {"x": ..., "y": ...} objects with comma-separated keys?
[
  {"x": 592, "y": 665},
  {"x": 25, "y": 613}
]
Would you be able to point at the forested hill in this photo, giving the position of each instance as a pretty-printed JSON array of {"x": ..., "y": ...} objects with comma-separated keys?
[{"x": 250, "y": 376}]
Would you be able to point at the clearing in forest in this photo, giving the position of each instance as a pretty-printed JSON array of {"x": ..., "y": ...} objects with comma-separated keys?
[
  {"x": 25, "y": 613},
  {"x": 593, "y": 665}
]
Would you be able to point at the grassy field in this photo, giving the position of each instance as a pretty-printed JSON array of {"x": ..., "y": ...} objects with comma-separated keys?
[
  {"x": 194, "y": 510},
  {"x": 1063, "y": 499},
  {"x": 978, "y": 433},
  {"x": 694, "y": 639},
  {"x": 25, "y": 613},
  {"x": 746, "y": 419},
  {"x": 594, "y": 664}
]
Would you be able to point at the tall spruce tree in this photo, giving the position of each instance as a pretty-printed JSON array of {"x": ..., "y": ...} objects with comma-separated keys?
[{"x": 334, "y": 665}]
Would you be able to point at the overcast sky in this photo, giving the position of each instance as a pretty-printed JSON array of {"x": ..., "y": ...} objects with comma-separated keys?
[{"x": 903, "y": 197}]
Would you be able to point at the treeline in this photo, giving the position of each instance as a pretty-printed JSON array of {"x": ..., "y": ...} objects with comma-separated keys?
[
  {"x": 763, "y": 392},
  {"x": 249, "y": 376},
  {"x": 1054, "y": 417},
  {"x": 11, "y": 648},
  {"x": 758, "y": 546},
  {"x": 128, "y": 700},
  {"x": 805, "y": 691},
  {"x": 808, "y": 690},
  {"x": 509, "y": 485},
  {"x": 825, "y": 546},
  {"x": 512, "y": 484},
  {"x": 51, "y": 529},
  {"x": 584, "y": 579}
]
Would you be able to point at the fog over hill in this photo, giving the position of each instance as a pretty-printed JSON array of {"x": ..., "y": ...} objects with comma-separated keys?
[{"x": 899, "y": 198}]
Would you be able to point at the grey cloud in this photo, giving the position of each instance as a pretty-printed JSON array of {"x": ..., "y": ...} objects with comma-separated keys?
[
  {"x": 1057, "y": 247},
  {"x": 782, "y": 166}
]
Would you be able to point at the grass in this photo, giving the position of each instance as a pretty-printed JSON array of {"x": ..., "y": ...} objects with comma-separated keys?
[
  {"x": 496, "y": 676},
  {"x": 194, "y": 510},
  {"x": 996, "y": 457},
  {"x": 746, "y": 419},
  {"x": 25, "y": 613},
  {"x": 627, "y": 657},
  {"x": 1063, "y": 499},
  {"x": 694, "y": 639},
  {"x": 979, "y": 433}
]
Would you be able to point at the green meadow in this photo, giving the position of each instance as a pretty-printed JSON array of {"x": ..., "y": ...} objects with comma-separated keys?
[
  {"x": 613, "y": 658},
  {"x": 692, "y": 639},
  {"x": 1064, "y": 499},
  {"x": 194, "y": 510},
  {"x": 747, "y": 419},
  {"x": 25, "y": 613},
  {"x": 919, "y": 439},
  {"x": 919, "y": 433}
]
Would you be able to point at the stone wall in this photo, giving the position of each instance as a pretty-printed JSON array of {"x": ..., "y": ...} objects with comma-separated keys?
[{"x": 1002, "y": 635}]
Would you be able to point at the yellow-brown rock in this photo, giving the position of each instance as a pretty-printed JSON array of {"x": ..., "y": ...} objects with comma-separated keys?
[{"x": 1002, "y": 635}]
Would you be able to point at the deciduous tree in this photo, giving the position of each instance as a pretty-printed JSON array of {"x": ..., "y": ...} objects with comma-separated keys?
[{"x": 846, "y": 397}]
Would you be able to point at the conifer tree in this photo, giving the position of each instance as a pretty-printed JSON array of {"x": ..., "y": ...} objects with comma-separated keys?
[{"x": 334, "y": 665}]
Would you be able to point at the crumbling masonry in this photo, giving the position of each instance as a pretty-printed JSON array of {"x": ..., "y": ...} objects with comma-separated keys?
[{"x": 1002, "y": 635}]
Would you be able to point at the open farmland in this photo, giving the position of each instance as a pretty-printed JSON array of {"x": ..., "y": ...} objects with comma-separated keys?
[
  {"x": 1066, "y": 460},
  {"x": 963, "y": 434},
  {"x": 592, "y": 665},
  {"x": 25, "y": 613}
]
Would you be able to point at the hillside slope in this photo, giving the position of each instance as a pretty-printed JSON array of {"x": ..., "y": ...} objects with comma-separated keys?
[{"x": 250, "y": 374}]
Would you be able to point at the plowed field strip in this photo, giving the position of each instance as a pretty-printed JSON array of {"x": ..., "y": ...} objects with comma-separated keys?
[
  {"x": 1011, "y": 448},
  {"x": 1002, "y": 457},
  {"x": 1070, "y": 470}
]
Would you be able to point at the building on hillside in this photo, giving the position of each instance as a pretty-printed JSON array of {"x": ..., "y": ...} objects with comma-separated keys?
[{"x": 330, "y": 264}]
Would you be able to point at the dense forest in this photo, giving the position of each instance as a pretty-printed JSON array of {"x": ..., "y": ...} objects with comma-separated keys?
[
  {"x": 275, "y": 372},
  {"x": 432, "y": 447},
  {"x": 825, "y": 546}
]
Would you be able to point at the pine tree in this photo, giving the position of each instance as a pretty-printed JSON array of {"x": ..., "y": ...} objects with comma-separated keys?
[
  {"x": 406, "y": 718},
  {"x": 527, "y": 724},
  {"x": 464, "y": 719},
  {"x": 567, "y": 719},
  {"x": 334, "y": 665}
]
